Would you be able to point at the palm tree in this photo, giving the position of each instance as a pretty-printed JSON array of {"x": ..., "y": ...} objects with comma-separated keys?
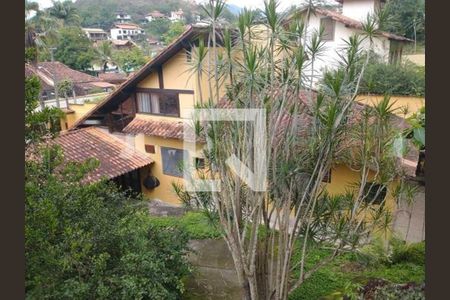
[
  {"x": 104, "y": 52},
  {"x": 65, "y": 11}
]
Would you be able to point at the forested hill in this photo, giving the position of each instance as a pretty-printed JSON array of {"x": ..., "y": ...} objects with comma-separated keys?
[{"x": 101, "y": 13}]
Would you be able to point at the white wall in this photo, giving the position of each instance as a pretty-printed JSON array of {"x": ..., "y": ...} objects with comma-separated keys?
[
  {"x": 330, "y": 55},
  {"x": 358, "y": 9}
]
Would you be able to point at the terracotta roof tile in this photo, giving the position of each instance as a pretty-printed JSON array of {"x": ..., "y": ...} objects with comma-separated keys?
[
  {"x": 116, "y": 157},
  {"x": 164, "y": 129},
  {"x": 356, "y": 24}
]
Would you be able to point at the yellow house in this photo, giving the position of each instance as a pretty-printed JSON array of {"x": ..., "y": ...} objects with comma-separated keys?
[{"x": 149, "y": 109}]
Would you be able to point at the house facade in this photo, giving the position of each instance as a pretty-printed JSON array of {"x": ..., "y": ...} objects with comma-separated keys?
[
  {"x": 95, "y": 34},
  {"x": 339, "y": 27},
  {"x": 125, "y": 31},
  {"x": 150, "y": 109},
  {"x": 177, "y": 15},
  {"x": 155, "y": 15},
  {"x": 122, "y": 17}
]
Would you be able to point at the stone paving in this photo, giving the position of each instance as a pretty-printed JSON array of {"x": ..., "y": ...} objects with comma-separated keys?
[{"x": 412, "y": 229}]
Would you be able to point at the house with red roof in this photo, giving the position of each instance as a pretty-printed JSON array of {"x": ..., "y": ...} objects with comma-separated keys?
[{"x": 338, "y": 27}]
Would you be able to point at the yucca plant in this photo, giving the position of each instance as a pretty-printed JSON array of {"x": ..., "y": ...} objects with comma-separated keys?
[{"x": 310, "y": 125}]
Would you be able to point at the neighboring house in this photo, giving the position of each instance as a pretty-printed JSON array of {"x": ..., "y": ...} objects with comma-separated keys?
[
  {"x": 96, "y": 34},
  {"x": 125, "y": 31},
  {"x": 150, "y": 109},
  {"x": 123, "y": 44},
  {"x": 338, "y": 27},
  {"x": 155, "y": 15},
  {"x": 122, "y": 17},
  {"x": 113, "y": 77},
  {"x": 51, "y": 72},
  {"x": 177, "y": 15}
]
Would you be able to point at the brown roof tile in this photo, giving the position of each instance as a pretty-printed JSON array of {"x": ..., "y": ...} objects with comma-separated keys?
[
  {"x": 116, "y": 157},
  {"x": 352, "y": 23},
  {"x": 164, "y": 129}
]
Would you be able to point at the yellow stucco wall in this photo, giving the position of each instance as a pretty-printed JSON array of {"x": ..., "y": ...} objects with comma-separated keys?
[
  {"x": 79, "y": 110},
  {"x": 413, "y": 104},
  {"x": 164, "y": 191},
  {"x": 342, "y": 177}
]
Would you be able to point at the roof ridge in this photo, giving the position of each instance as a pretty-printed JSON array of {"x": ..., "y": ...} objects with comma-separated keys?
[{"x": 120, "y": 88}]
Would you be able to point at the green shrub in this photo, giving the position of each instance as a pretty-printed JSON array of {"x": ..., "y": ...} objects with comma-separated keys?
[
  {"x": 94, "y": 241},
  {"x": 412, "y": 253},
  {"x": 396, "y": 79}
]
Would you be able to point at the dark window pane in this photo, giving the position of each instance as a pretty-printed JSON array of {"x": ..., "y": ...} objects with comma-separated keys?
[
  {"x": 168, "y": 104},
  {"x": 150, "y": 148},
  {"x": 172, "y": 160},
  {"x": 375, "y": 193}
]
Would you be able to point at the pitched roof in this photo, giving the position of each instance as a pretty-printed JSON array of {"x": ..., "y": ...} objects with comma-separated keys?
[
  {"x": 352, "y": 23},
  {"x": 59, "y": 71},
  {"x": 115, "y": 156},
  {"x": 118, "y": 95},
  {"x": 159, "y": 128},
  {"x": 123, "y": 42},
  {"x": 94, "y": 30},
  {"x": 156, "y": 14},
  {"x": 127, "y": 26},
  {"x": 113, "y": 77}
]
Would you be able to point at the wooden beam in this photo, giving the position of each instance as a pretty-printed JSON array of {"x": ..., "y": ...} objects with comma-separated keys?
[
  {"x": 164, "y": 91},
  {"x": 160, "y": 77}
]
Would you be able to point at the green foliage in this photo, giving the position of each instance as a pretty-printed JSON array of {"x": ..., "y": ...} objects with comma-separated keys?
[
  {"x": 175, "y": 29},
  {"x": 94, "y": 241},
  {"x": 395, "y": 79},
  {"x": 38, "y": 123},
  {"x": 157, "y": 27},
  {"x": 350, "y": 271},
  {"x": 74, "y": 49},
  {"x": 101, "y": 13},
  {"x": 65, "y": 11},
  {"x": 406, "y": 17},
  {"x": 129, "y": 60},
  {"x": 30, "y": 54},
  {"x": 417, "y": 130},
  {"x": 412, "y": 253},
  {"x": 195, "y": 224}
]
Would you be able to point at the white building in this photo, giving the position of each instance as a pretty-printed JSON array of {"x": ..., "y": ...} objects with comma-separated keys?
[
  {"x": 122, "y": 17},
  {"x": 177, "y": 15},
  {"x": 125, "y": 31},
  {"x": 154, "y": 15},
  {"x": 339, "y": 27}
]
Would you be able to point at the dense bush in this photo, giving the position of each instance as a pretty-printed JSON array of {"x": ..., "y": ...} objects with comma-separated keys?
[
  {"x": 413, "y": 253},
  {"x": 94, "y": 241},
  {"x": 402, "y": 79}
]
